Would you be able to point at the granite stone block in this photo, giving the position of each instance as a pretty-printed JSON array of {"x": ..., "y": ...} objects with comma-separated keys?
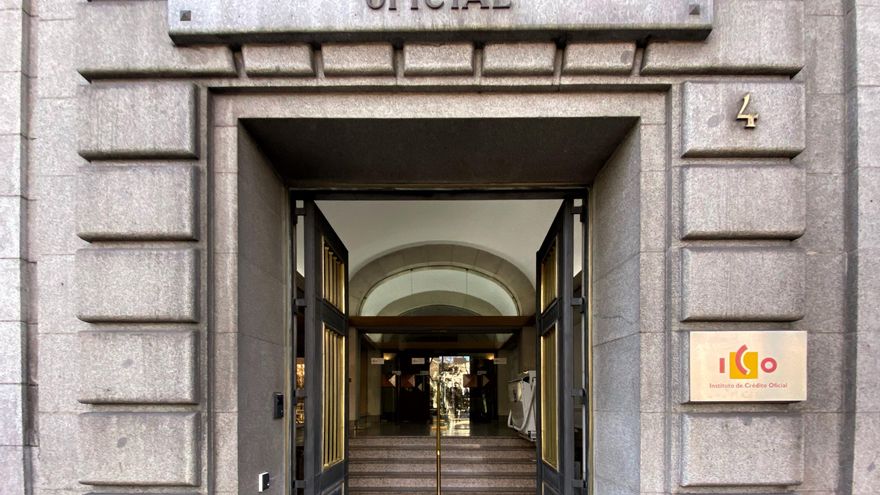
[
  {"x": 138, "y": 367},
  {"x": 652, "y": 453},
  {"x": 369, "y": 59},
  {"x": 866, "y": 476},
  {"x": 54, "y": 9},
  {"x": 868, "y": 371},
  {"x": 743, "y": 202},
  {"x": 826, "y": 210},
  {"x": 866, "y": 22},
  {"x": 598, "y": 58},
  {"x": 824, "y": 7},
  {"x": 652, "y": 292},
  {"x": 825, "y": 300},
  {"x": 12, "y": 30},
  {"x": 616, "y": 379},
  {"x": 13, "y": 290},
  {"x": 825, "y": 67},
  {"x": 12, "y": 414},
  {"x": 13, "y": 227},
  {"x": 863, "y": 268},
  {"x": 12, "y": 87},
  {"x": 278, "y": 60},
  {"x": 261, "y": 302},
  {"x": 652, "y": 147},
  {"x": 128, "y": 38},
  {"x": 438, "y": 59},
  {"x": 822, "y": 433},
  {"x": 53, "y": 149},
  {"x": 868, "y": 198},
  {"x": 54, "y": 216},
  {"x": 826, "y": 144},
  {"x": 863, "y": 115},
  {"x": 137, "y": 285},
  {"x": 616, "y": 302},
  {"x": 225, "y": 373},
  {"x": 12, "y": 170},
  {"x": 519, "y": 59},
  {"x": 742, "y": 284},
  {"x": 826, "y": 379},
  {"x": 137, "y": 201},
  {"x": 138, "y": 120},
  {"x": 56, "y": 374},
  {"x": 652, "y": 219},
  {"x": 13, "y": 339},
  {"x": 56, "y": 297},
  {"x": 14, "y": 480},
  {"x": 652, "y": 373},
  {"x": 226, "y": 452},
  {"x": 225, "y": 216},
  {"x": 710, "y": 127},
  {"x": 743, "y": 32},
  {"x": 617, "y": 442},
  {"x": 742, "y": 449},
  {"x": 54, "y": 58},
  {"x": 55, "y": 467},
  {"x": 144, "y": 449},
  {"x": 260, "y": 437},
  {"x": 617, "y": 227}
]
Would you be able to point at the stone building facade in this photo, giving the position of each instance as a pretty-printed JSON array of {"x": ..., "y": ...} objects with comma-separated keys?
[{"x": 124, "y": 171}]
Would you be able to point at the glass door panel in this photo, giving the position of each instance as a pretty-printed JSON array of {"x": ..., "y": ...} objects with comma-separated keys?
[{"x": 549, "y": 398}]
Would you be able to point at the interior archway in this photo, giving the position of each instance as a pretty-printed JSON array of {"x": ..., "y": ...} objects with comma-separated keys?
[
  {"x": 417, "y": 304},
  {"x": 480, "y": 263}
]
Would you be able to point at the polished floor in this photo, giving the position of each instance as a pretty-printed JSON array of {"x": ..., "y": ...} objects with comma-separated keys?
[{"x": 373, "y": 426}]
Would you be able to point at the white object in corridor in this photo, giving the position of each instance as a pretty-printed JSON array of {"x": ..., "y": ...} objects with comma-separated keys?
[{"x": 522, "y": 404}]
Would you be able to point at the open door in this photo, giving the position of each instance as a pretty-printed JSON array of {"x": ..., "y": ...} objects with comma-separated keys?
[
  {"x": 562, "y": 362},
  {"x": 326, "y": 383}
]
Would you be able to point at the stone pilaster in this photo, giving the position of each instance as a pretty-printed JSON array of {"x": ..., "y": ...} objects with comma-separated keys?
[
  {"x": 16, "y": 388},
  {"x": 862, "y": 168}
]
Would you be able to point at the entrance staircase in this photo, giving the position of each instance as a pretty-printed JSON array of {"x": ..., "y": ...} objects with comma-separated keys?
[{"x": 407, "y": 465}]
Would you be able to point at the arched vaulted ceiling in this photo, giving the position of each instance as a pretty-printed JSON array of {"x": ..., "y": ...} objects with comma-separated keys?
[
  {"x": 447, "y": 274},
  {"x": 497, "y": 238}
]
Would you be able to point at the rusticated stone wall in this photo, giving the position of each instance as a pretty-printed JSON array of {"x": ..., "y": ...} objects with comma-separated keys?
[{"x": 109, "y": 347}]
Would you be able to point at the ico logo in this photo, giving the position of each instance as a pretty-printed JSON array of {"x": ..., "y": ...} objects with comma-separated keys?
[{"x": 744, "y": 365}]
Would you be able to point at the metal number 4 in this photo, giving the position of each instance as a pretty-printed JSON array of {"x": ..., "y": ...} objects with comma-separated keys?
[{"x": 750, "y": 118}]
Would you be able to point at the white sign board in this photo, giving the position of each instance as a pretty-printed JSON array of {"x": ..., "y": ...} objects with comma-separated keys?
[{"x": 762, "y": 366}]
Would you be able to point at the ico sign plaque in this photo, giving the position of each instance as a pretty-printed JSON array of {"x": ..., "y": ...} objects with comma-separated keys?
[{"x": 768, "y": 366}]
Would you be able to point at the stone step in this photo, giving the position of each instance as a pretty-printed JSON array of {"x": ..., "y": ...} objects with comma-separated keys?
[
  {"x": 407, "y": 465},
  {"x": 430, "y": 491},
  {"x": 398, "y": 454},
  {"x": 448, "y": 481},
  {"x": 462, "y": 442},
  {"x": 494, "y": 467}
]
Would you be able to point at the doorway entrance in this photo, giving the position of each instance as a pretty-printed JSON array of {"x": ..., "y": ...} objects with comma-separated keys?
[{"x": 433, "y": 374}]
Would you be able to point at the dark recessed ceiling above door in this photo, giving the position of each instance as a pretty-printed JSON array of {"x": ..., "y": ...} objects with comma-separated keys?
[{"x": 315, "y": 153}]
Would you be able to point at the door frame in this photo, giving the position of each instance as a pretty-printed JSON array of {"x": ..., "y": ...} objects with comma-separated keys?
[
  {"x": 647, "y": 153},
  {"x": 568, "y": 195}
]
